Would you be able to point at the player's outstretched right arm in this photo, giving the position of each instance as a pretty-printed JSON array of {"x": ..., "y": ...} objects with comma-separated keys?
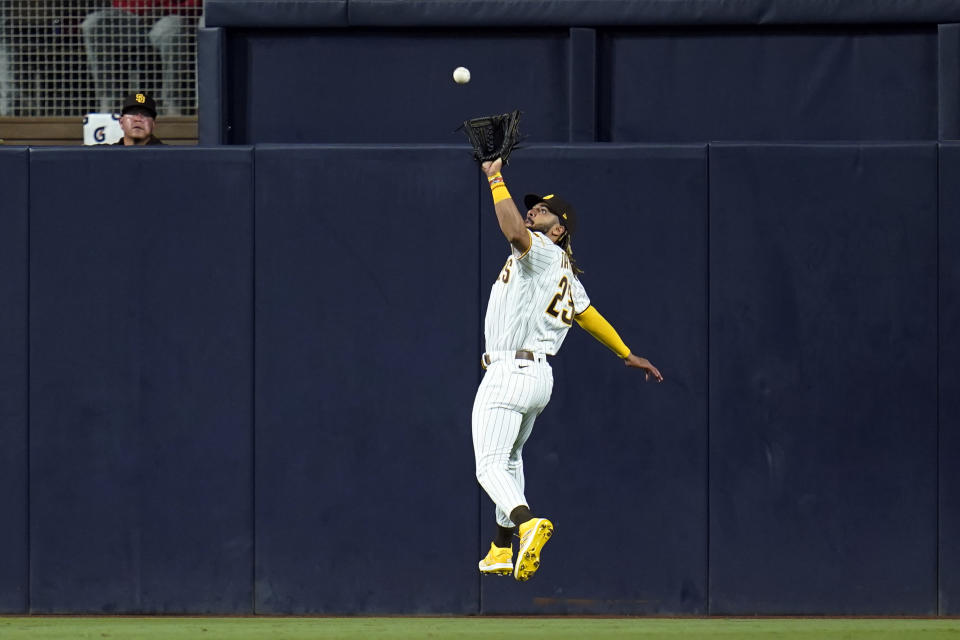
[{"x": 511, "y": 222}]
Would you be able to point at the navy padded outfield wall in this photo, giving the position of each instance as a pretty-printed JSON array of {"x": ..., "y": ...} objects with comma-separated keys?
[
  {"x": 823, "y": 379},
  {"x": 140, "y": 380},
  {"x": 949, "y": 380},
  {"x": 639, "y": 85},
  {"x": 251, "y": 374},
  {"x": 367, "y": 360},
  {"x": 399, "y": 90},
  {"x": 13, "y": 381},
  {"x": 785, "y": 83},
  {"x": 642, "y": 71},
  {"x": 613, "y": 461}
]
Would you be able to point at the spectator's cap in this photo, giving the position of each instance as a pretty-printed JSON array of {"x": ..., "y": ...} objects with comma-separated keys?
[
  {"x": 560, "y": 207},
  {"x": 140, "y": 100}
]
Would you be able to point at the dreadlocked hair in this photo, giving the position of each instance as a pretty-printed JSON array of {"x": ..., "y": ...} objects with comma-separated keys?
[{"x": 567, "y": 247}]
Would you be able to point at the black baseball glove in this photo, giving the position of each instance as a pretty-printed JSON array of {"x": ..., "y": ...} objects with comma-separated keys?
[{"x": 493, "y": 137}]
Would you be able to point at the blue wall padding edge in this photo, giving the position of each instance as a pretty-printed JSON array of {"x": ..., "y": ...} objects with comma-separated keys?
[
  {"x": 585, "y": 13},
  {"x": 948, "y": 70},
  {"x": 141, "y": 380},
  {"x": 949, "y": 380},
  {"x": 582, "y": 58},
  {"x": 277, "y": 13},
  {"x": 211, "y": 86},
  {"x": 366, "y": 334},
  {"x": 13, "y": 381},
  {"x": 823, "y": 361}
]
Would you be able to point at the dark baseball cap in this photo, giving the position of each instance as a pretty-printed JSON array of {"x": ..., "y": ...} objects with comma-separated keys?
[
  {"x": 560, "y": 207},
  {"x": 139, "y": 100}
]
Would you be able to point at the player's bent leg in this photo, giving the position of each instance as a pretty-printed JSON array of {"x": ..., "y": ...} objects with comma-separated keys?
[
  {"x": 498, "y": 561},
  {"x": 495, "y": 432},
  {"x": 499, "y": 483},
  {"x": 515, "y": 460},
  {"x": 534, "y": 534}
]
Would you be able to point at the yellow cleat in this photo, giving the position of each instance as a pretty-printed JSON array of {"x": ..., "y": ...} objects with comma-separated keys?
[
  {"x": 534, "y": 533},
  {"x": 499, "y": 561}
]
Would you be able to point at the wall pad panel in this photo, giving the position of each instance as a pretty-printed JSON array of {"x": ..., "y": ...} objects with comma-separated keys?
[
  {"x": 768, "y": 84},
  {"x": 13, "y": 380},
  {"x": 949, "y": 380},
  {"x": 613, "y": 460},
  {"x": 823, "y": 360},
  {"x": 141, "y": 380},
  {"x": 366, "y": 367},
  {"x": 394, "y": 86}
]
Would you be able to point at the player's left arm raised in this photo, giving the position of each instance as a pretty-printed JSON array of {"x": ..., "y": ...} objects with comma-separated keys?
[
  {"x": 509, "y": 217},
  {"x": 597, "y": 326}
]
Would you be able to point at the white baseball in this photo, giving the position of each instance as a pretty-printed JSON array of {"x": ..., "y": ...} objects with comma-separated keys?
[{"x": 461, "y": 75}]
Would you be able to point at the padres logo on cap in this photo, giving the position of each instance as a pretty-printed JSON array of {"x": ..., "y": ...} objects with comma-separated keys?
[
  {"x": 141, "y": 98},
  {"x": 562, "y": 215}
]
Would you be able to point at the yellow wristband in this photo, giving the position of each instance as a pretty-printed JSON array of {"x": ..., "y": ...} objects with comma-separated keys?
[
  {"x": 498, "y": 188},
  {"x": 500, "y": 194}
]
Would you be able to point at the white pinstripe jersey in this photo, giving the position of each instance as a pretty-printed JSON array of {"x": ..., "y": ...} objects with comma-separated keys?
[{"x": 534, "y": 299}]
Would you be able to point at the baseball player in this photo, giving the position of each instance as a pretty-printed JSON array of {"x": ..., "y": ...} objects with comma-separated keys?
[{"x": 533, "y": 302}]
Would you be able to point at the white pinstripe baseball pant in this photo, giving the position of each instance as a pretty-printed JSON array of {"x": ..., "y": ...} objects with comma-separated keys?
[{"x": 511, "y": 396}]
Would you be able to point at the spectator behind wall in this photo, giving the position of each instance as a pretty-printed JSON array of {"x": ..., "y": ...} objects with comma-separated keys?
[
  {"x": 118, "y": 42},
  {"x": 137, "y": 119}
]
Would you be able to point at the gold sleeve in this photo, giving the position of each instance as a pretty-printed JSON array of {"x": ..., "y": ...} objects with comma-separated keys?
[{"x": 597, "y": 326}]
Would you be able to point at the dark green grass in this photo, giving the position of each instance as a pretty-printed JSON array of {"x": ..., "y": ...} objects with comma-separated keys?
[{"x": 176, "y": 628}]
